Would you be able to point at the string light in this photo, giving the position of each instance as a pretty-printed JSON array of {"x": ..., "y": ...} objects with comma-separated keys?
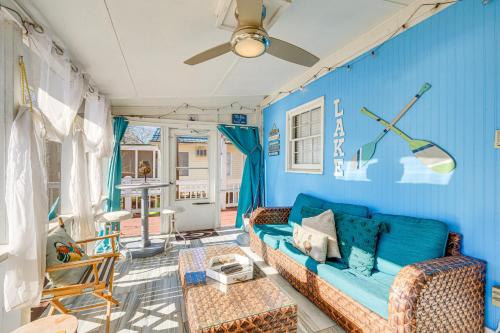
[
  {"x": 185, "y": 106},
  {"x": 349, "y": 66}
]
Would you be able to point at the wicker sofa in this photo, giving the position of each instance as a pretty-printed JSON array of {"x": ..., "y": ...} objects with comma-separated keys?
[{"x": 444, "y": 294}]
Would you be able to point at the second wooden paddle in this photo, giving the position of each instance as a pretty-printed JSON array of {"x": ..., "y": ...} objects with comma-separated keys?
[
  {"x": 366, "y": 152},
  {"x": 428, "y": 153}
]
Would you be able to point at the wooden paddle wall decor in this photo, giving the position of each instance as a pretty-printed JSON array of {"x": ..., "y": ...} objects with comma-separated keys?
[{"x": 428, "y": 153}]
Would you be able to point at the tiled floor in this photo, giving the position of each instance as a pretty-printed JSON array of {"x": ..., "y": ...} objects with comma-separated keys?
[
  {"x": 228, "y": 217},
  {"x": 151, "y": 299}
]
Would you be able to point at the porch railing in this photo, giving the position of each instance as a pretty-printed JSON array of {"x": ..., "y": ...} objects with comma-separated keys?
[
  {"x": 192, "y": 189},
  {"x": 229, "y": 195},
  {"x": 131, "y": 199},
  {"x": 186, "y": 189}
]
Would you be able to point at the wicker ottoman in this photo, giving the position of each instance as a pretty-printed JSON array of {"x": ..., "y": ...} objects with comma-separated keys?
[{"x": 253, "y": 306}]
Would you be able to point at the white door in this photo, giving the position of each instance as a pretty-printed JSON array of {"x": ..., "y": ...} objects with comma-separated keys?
[{"x": 193, "y": 160}]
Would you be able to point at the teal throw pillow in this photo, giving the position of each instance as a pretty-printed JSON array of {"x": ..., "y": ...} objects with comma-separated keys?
[{"x": 357, "y": 237}]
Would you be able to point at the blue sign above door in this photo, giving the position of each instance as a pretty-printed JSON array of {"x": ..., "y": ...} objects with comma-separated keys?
[{"x": 239, "y": 119}]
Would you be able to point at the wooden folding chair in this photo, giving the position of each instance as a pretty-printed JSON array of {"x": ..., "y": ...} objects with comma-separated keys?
[{"x": 97, "y": 281}]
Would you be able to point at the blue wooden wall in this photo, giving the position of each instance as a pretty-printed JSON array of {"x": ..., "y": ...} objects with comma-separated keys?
[{"x": 458, "y": 52}]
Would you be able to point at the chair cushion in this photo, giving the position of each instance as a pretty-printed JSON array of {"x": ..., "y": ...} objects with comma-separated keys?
[
  {"x": 358, "y": 241},
  {"x": 370, "y": 291},
  {"x": 61, "y": 248},
  {"x": 310, "y": 242},
  {"x": 407, "y": 241},
  {"x": 324, "y": 223},
  {"x": 104, "y": 271},
  {"x": 272, "y": 234},
  {"x": 293, "y": 253}
]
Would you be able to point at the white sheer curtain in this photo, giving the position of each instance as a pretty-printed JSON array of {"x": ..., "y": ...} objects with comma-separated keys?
[
  {"x": 26, "y": 199},
  {"x": 25, "y": 187},
  {"x": 60, "y": 89},
  {"x": 99, "y": 134},
  {"x": 79, "y": 189},
  {"x": 59, "y": 86}
]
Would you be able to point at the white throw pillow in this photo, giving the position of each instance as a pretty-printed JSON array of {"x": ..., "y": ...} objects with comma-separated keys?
[
  {"x": 310, "y": 242},
  {"x": 325, "y": 223}
]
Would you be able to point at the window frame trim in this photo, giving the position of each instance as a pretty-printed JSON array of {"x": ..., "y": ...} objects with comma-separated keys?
[{"x": 291, "y": 167}]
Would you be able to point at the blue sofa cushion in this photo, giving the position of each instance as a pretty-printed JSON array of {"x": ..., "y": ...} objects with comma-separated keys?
[
  {"x": 371, "y": 292},
  {"x": 272, "y": 234},
  {"x": 311, "y": 211},
  {"x": 341, "y": 208},
  {"x": 293, "y": 253},
  {"x": 305, "y": 200},
  {"x": 407, "y": 241},
  {"x": 301, "y": 201}
]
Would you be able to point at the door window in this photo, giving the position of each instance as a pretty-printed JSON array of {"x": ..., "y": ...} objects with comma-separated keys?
[{"x": 192, "y": 168}]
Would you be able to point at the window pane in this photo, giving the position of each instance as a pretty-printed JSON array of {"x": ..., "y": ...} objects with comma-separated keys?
[
  {"x": 128, "y": 163},
  {"x": 195, "y": 187},
  {"x": 182, "y": 162},
  {"x": 316, "y": 121},
  {"x": 157, "y": 162},
  {"x": 229, "y": 164},
  {"x": 53, "y": 165},
  {"x": 307, "y": 151},
  {"x": 305, "y": 144},
  {"x": 317, "y": 150},
  {"x": 197, "y": 148}
]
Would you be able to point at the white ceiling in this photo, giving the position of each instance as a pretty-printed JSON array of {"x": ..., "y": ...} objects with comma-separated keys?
[{"x": 134, "y": 50}]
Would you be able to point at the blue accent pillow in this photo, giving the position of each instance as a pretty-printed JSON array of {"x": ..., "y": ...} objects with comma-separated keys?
[{"x": 357, "y": 237}]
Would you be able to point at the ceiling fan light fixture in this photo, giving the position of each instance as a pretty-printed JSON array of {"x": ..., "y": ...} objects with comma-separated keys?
[{"x": 250, "y": 45}]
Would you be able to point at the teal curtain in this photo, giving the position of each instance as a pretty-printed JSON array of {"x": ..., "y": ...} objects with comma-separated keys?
[
  {"x": 120, "y": 124},
  {"x": 246, "y": 139},
  {"x": 54, "y": 208}
]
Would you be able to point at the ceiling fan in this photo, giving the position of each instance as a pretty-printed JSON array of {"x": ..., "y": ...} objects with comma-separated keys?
[{"x": 250, "y": 39}]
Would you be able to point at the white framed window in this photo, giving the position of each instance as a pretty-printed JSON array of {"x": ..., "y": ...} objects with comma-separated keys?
[{"x": 305, "y": 137}]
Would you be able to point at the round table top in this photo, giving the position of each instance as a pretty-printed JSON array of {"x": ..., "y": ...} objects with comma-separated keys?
[
  {"x": 173, "y": 210},
  {"x": 51, "y": 324},
  {"x": 116, "y": 216},
  {"x": 141, "y": 186}
]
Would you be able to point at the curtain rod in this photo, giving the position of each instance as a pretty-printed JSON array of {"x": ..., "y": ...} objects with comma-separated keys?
[
  {"x": 39, "y": 29},
  {"x": 24, "y": 23}
]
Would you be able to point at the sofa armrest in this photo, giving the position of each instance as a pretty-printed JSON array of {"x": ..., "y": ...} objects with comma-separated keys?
[
  {"x": 269, "y": 215},
  {"x": 437, "y": 295}
]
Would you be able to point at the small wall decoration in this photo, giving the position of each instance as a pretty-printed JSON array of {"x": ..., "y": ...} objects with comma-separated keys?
[
  {"x": 239, "y": 119},
  {"x": 338, "y": 153},
  {"x": 274, "y": 141}
]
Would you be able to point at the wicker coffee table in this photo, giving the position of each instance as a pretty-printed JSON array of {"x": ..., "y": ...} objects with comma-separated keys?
[{"x": 256, "y": 305}]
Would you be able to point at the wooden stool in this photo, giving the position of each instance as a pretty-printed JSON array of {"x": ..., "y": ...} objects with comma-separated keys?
[
  {"x": 171, "y": 211},
  {"x": 51, "y": 324}
]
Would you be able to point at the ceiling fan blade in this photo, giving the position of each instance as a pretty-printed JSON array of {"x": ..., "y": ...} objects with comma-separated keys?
[
  {"x": 209, "y": 54},
  {"x": 249, "y": 12},
  {"x": 291, "y": 53}
]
